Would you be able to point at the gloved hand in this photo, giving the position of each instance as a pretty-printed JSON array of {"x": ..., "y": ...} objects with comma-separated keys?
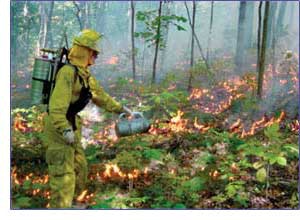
[
  {"x": 69, "y": 136},
  {"x": 127, "y": 110}
]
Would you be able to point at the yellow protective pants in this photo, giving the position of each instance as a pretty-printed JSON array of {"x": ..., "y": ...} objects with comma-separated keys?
[{"x": 67, "y": 167}]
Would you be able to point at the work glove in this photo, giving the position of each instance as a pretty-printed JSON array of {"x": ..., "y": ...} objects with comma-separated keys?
[
  {"x": 127, "y": 110},
  {"x": 69, "y": 136}
]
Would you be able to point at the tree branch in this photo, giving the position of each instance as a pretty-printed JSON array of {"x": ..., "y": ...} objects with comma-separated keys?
[
  {"x": 77, "y": 15},
  {"x": 197, "y": 40}
]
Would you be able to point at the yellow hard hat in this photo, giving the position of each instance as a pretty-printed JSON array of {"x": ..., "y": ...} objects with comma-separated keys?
[{"x": 88, "y": 38}]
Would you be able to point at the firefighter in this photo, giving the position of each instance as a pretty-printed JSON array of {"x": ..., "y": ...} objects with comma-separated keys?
[{"x": 75, "y": 86}]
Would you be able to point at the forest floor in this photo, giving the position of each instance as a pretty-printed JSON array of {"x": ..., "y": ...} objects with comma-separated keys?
[{"x": 213, "y": 147}]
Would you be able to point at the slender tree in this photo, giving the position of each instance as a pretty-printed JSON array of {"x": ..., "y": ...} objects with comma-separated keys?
[
  {"x": 45, "y": 37},
  {"x": 210, "y": 30},
  {"x": 280, "y": 18},
  {"x": 272, "y": 15},
  {"x": 77, "y": 14},
  {"x": 28, "y": 24},
  {"x": 87, "y": 22},
  {"x": 42, "y": 31},
  {"x": 273, "y": 43},
  {"x": 258, "y": 34},
  {"x": 165, "y": 35},
  {"x": 156, "y": 43},
  {"x": 249, "y": 24},
  {"x": 132, "y": 39},
  {"x": 49, "y": 38},
  {"x": 263, "y": 51},
  {"x": 192, "y": 45},
  {"x": 240, "y": 46},
  {"x": 193, "y": 30}
]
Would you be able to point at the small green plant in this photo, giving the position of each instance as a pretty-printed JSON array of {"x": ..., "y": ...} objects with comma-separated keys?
[
  {"x": 236, "y": 191},
  {"x": 188, "y": 191},
  {"x": 129, "y": 161},
  {"x": 168, "y": 102},
  {"x": 151, "y": 22},
  {"x": 29, "y": 194},
  {"x": 269, "y": 154}
]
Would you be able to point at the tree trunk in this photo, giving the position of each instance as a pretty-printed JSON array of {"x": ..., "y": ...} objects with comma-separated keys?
[
  {"x": 249, "y": 24},
  {"x": 132, "y": 39},
  {"x": 77, "y": 14},
  {"x": 143, "y": 61},
  {"x": 193, "y": 30},
  {"x": 49, "y": 38},
  {"x": 273, "y": 43},
  {"x": 42, "y": 34},
  {"x": 240, "y": 46},
  {"x": 28, "y": 30},
  {"x": 263, "y": 51},
  {"x": 156, "y": 44},
  {"x": 272, "y": 14},
  {"x": 192, "y": 46},
  {"x": 87, "y": 15},
  {"x": 210, "y": 30},
  {"x": 14, "y": 37},
  {"x": 280, "y": 18},
  {"x": 166, "y": 36},
  {"x": 258, "y": 34}
]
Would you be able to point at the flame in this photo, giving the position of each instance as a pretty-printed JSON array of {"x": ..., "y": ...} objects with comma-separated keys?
[
  {"x": 113, "y": 60},
  {"x": 34, "y": 180},
  {"x": 35, "y": 191},
  {"x": 15, "y": 176},
  {"x": 235, "y": 124},
  {"x": 81, "y": 197},
  {"x": 20, "y": 123},
  {"x": 113, "y": 170},
  {"x": 283, "y": 81},
  {"x": 196, "y": 125},
  {"x": 171, "y": 87},
  {"x": 210, "y": 101},
  {"x": 201, "y": 128},
  {"x": 177, "y": 118},
  {"x": 234, "y": 168},
  {"x": 239, "y": 127},
  {"x": 215, "y": 174},
  {"x": 177, "y": 124},
  {"x": 294, "y": 126},
  {"x": 146, "y": 170}
]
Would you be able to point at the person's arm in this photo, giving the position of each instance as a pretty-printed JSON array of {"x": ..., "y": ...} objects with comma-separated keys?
[{"x": 102, "y": 99}]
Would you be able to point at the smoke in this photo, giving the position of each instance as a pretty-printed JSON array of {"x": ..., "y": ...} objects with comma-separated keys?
[
  {"x": 176, "y": 56},
  {"x": 281, "y": 91}
]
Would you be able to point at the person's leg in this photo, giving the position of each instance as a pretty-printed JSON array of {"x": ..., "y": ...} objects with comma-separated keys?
[
  {"x": 62, "y": 176},
  {"x": 80, "y": 163},
  {"x": 81, "y": 170}
]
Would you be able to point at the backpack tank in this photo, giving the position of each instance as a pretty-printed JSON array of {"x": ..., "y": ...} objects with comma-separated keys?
[
  {"x": 41, "y": 80},
  {"x": 44, "y": 72}
]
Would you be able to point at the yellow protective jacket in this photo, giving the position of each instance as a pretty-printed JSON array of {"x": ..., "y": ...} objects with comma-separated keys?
[{"x": 67, "y": 90}]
